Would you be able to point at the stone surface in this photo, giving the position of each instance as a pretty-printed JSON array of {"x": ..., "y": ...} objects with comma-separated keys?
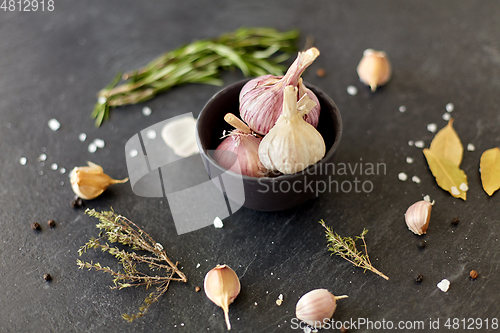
[{"x": 53, "y": 64}]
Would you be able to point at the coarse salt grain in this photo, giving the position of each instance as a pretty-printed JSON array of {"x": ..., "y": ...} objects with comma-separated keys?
[
  {"x": 450, "y": 107},
  {"x": 99, "y": 143},
  {"x": 54, "y": 166},
  {"x": 92, "y": 148},
  {"x": 432, "y": 128},
  {"x": 133, "y": 153},
  {"x": 146, "y": 111},
  {"x": 23, "y": 160},
  {"x": 409, "y": 160},
  {"x": 102, "y": 100},
  {"x": 427, "y": 198},
  {"x": 42, "y": 157},
  {"x": 471, "y": 147},
  {"x": 402, "y": 176},
  {"x": 62, "y": 170},
  {"x": 82, "y": 137},
  {"x": 446, "y": 116},
  {"x": 198, "y": 265},
  {"x": 218, "y": 223},
  {"x": 352, "y": 90},
  {"x": 455, "y": 191},
  {"x": 54, "y": 124},
  {"x": 151, "y": 134},
  {"x": 402, "y": 108},
  {"x": 464, "y": 187},
  {"x": 411, "y": 143},
  {"x": 444, "y": 285},
  {"x": 415, "y": 179},
  {"x": 419, "y": 144}
]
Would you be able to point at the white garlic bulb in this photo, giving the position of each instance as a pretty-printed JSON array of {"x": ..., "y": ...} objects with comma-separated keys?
[
  {"x": 316, "y": 307},
  {"x": 374, "y": 69},
  {"x": 417, "y": 217},
  {"x": 292, "y": 144},
  {"x": 261, "y": 99}
]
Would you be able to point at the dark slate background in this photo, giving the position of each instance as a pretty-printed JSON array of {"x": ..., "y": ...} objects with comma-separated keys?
[{"x": 53, "y": 63}]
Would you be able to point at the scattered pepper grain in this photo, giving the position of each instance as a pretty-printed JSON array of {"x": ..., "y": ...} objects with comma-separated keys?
[
  {"x": 419, "y": 278},
  {"x": 455, "y": 221},
  {"x": 51, "y": 223},
  {"x": 47, "y": 277},
  {"x": 320, "y": 72},
  {"x": 197, "y": 289},
  {"x": 473, "y": 274},
  {"x": 343, "y": 330},
  {"x": 35, "y": 226},
  {"x": 422, "y": 244}
]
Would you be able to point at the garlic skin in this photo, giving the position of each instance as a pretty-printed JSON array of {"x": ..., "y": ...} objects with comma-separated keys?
[
  {"x": 417, "y": 217},
  {"x": 374, "y": 69},
  {"x": 292, "y": 144},
  {"x": 221, "y": 287},
  {"x": 312, "y": 117},
  {"x": 243, "y": 145},
  {"x": 316, "y": 307},
  {"x": 261, "y": 99},
  {"x": 90, "y": 181}
]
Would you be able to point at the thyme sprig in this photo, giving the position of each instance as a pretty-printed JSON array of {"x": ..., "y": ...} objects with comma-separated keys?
[
  {"x": 118, "y": 229},
  {"x": 255, "y": 51},
  {"x": 345, "y": 247}
]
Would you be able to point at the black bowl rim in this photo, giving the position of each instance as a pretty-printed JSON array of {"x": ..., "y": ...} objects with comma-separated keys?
[{"x": 327, "y": 156}]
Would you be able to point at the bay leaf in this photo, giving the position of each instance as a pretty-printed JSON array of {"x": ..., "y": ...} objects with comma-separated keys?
[
  {"x": 490, "y": 170},
  {"x": 447, "y": 145},
  {"x": 448, "y": 175}
]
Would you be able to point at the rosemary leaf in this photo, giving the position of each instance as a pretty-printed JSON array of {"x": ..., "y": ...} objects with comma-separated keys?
[{"x": 255, "y": 51}]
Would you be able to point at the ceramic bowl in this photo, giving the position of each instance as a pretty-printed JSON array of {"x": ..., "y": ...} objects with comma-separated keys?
[{"x": 268, "y": 193}]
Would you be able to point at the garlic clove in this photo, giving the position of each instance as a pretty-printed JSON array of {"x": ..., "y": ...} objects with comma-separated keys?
[
  {"x": 221, "y": 287},
  {"x": 313, "y": 116},
  {"x": 374, "y": 69},
  {"x": 316, "y": 307},
  {"x": 417, "y": 217},
  {"x": 90, "y": 181}
]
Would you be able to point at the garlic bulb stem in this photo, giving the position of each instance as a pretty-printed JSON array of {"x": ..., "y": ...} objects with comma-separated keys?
[
  {"x": 237, "y": 123},
  {"x": 341, "y": 297}
]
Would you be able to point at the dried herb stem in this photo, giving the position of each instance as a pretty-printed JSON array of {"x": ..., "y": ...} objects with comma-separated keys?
[
  {"x": 118, "y": 229},
  {"x": 252, "y": 50},
  {"x": 345, "y": 247}
]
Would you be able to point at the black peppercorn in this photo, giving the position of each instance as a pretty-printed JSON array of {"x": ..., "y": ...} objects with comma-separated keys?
[
  {"x": 343, "y": 330},
  {"x": 422, "y": 244},
  {"x": 455, "y": 221},
  {"x": 77, "y": 203},
  {"x": 473, "y": 274},
  {"x": 47, "y": 277},
  {"x": 51, "y": 223},
  {"x": 419, "y": 278},
  {"x": 35, "y": 226}
]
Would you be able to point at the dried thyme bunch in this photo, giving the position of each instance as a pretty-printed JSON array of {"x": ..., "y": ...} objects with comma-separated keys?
[
  {"x": 345, "y": 247},
  {"x": 119, "y": 229},
  {"x": 252, "y": 50}
]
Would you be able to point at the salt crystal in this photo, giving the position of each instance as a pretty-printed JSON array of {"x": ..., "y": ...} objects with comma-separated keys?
[
  {"x": 40, "y": 172},
  {"x": 62, "y": 170},
  {"x": 427, "y": 198},
  {"x": 464, "y": 187},
  {"x": 146, "y": 111},
  {"x": 102, "y": 100},
  {"x": 455, "y": 191},
  {"x": 446, "y": 116},
  {"x": 23, "y": 160},
  {"x": 198, "y": 266},
  {"x": 402, "y": 176},
  {"x": 218, "y": 223},
  {"x": 54, "y": 124},
  {"x": 182, "y": 324},
  {"x": 151, "y": 134},
  {"x": 62, "y": 183},
  {"x": 450, "y": 107},
  {"x": 255, "y": 303},
  {"x": 307, "y": 329},
  {"x": 42, "y": 157},
  {"x": 415, "y": 179},
  {"x": 352, "y": 90},
  {"x": 419, "y": 144},
  {"x": 99, "y": 143},
  {"x": 82, "y": 137},
  {"x": 410, "y": 143},
  {"x": 471, "y": 147},
  {"x": 444, "y": 285},
  {"x": 432, "y": 128},
  {"x": 409, "y": 160},
  {"x": 92, "y": 148},
  {"x": 53, "y": 166},
  {"x": 279, "y": 301},
  {"x": 402, "y": 108},
  {"x": 133, "y": 153}
]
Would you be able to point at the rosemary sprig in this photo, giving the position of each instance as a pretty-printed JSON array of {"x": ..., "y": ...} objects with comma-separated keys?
[
  {"x": 119, "y": 229},
  {"x": 252, "y": 50},
  {"x": 345, "y": 247}
]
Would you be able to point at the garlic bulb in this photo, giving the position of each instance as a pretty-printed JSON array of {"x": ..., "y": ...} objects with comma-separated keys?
[
  {"x": 417, "y": 217},
  {"x": 221, "y": 287},
  {"x": 89, "y": 182},
  {"x": 292, "y": 144},
  {"x": 241, "y": 145},
  {"x": 316, "y": 307},
  {"x": 374, "y": 69},
  {"x": 261, "y": 99}
]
